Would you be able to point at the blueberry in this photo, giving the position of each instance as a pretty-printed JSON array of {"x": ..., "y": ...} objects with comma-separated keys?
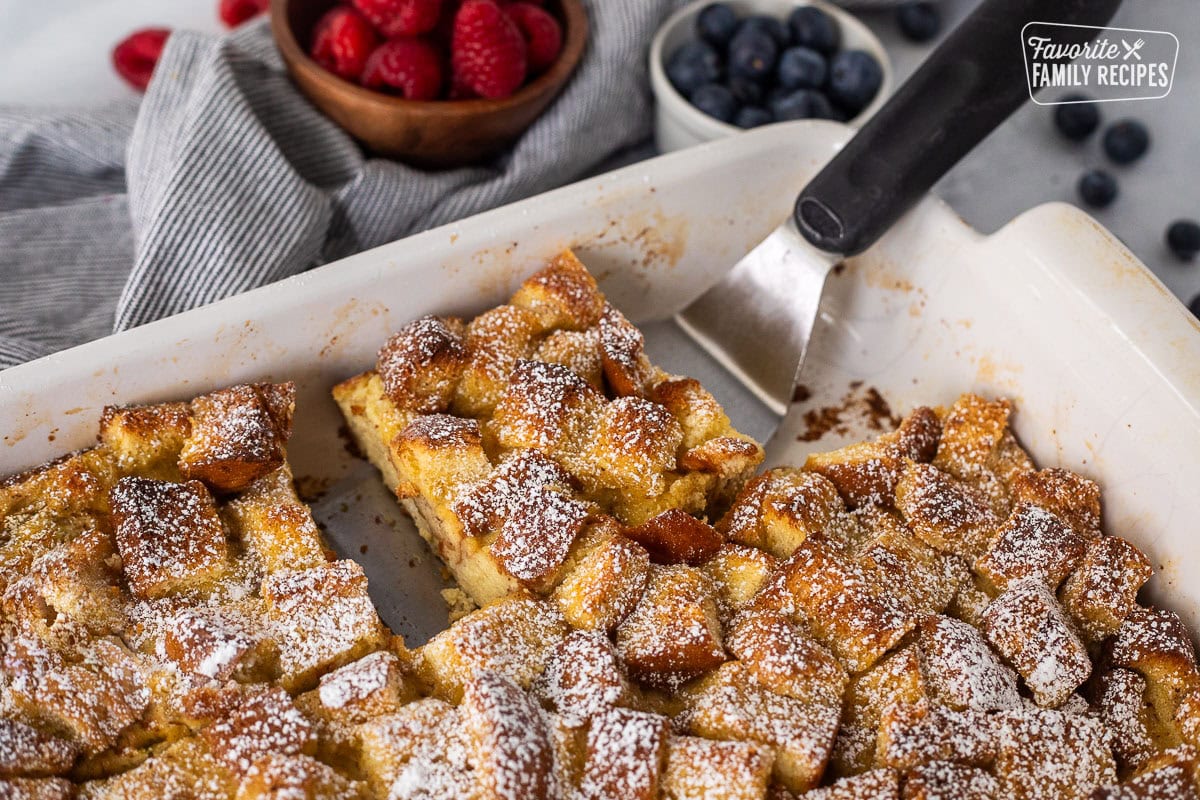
[
  {"x": 854, "y": 79},
  {"x": 746, "y": 91},
  {"x": 693, "y": 65},
  {"x": 716, "y": 101},
  {"x": 1097, "y": 188},
  {"x": 919, "y": 22},
  {"x": 1076, "y": 120},
  {"x": 753, "y": 116},
  {"x": 802, "y": 104},
  {"x": 801, "y": 68},
  {"x": 716, "y": 24},
  {"x": 1183, "y": 237},
  {"x": 812, "y": 27},
  {"x": 774, "y": 28},
  {"x": 752, "y": 54},
  {"x": 1126, "y": 141}
]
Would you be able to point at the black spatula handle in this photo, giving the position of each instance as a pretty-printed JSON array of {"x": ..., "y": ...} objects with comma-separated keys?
[{"x": 964, "y": 90}]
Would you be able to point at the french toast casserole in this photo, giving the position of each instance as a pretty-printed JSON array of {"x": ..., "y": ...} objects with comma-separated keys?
[{"x": 925, "y": 615}]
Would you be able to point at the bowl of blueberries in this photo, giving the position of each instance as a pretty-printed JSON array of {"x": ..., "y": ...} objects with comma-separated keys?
[{"x": 720, "y": 67}]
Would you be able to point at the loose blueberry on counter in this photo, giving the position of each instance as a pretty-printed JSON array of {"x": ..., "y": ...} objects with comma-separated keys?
[
  {"x": 919, "y": 22},
  {"x": 746, "y": 91},
  {"x": 693, "y": 65},
  {"x": 801, "y": 104},
  {"x": 753, "y": 116},
  {"x": 1076, "y": 120},
  {"x": 1097, "y": 188},
  {"x": 801, "y": 68},
  {"x": 716, "y": 101},
  {"x": 1126, "y": 141},
  {"x": 716, "y": 24},
  {"x": 770, "y": 26},
  {"x": 854, "y": 79},
  {"x": 1183, "y": 237},
  {"x": 752, "y": 54},
  {"x": 812, "y": 27}
]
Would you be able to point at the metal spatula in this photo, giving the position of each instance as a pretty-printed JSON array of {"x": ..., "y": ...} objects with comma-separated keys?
[{"x": 746, "y": 337}]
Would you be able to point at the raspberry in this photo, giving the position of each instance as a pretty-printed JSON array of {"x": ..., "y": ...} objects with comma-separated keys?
[
  {"x": 135, "y": 56},
  {"x": 401, "y": 17},
  {"x": 343, "y": 41},
  {"x": 412, "y": 66},
  {"x": 543, "y": 34},
  {"x": 487, "y": 50},
  {"x": 235, "y": 12}
]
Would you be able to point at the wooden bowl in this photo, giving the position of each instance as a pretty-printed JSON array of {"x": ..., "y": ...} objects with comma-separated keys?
[{"x": 437, "y": 133}]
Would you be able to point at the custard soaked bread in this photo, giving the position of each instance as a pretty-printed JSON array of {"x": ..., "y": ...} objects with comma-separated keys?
[{"x": 925, "y": 615}]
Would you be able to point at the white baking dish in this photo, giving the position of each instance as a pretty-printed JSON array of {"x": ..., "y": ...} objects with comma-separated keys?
[{"x": 1052, "y": 311}]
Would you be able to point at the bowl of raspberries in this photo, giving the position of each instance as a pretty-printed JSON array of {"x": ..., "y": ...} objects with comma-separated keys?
[
  {"x": 436, "y": 83},
  {"x": 722, "y": 67}
]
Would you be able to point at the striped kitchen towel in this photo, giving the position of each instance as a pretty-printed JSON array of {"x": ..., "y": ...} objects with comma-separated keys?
[{"x": 225, "y": 178}]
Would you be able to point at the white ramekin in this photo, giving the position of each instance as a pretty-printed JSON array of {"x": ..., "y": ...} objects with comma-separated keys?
[{"x": 679, "y": 124}]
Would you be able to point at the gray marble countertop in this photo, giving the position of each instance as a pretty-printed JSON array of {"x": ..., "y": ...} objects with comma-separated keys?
[{"x": 1026, "y": 162}]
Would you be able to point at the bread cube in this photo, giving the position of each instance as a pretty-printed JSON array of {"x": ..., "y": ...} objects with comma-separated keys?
[
  {"x": 582, "y": 678},
  {"x": 844, "y": 607},
  {"x": 263, "y": 723},
  {"x": 562, "y": 295},
  {"x": 866, "y": 473},
  {"x": 421, "y": 363},
  {"x": 626, "y": 754},
  {"x": 1029, "y": 629},
  {"x": 1187, "y": 719},
  {"x": 911, "y": 734},
  {"x": 627, "y": 371},
  {"x": 970, "y": 601},
  {"x": 924, "y": 578},
  {"x": 605, "y": 584},
  {"x": 785, "y": 658},
  {"x": 632, "y": 444},
  {"x": 511, "y": 744},
  {"x": 1155, "y": 643},
  {"x": 322, "y": 618},
  {"x": 184, "y": 769},
  {"x": 1102, "y": 590},
  {"x": 943, "y": 780},
  {"x": 977, "y": 448},
  {"x": 698, "y": 413},
  {"x": 514, "y": 637},
  {"x": 419, "y": 751},
  {"x": 1032, "y": 543},
  {"x": 295, "y": 777},
  {"x": 434, "y": 455},
  {"x": 534, "y": 542},
  {"x": 1044, "y": 754},
  {"x": 674, "y": 628},
  {"x": 961, "y": 671},
  {"x": 29, "y": 752},
  {"x": 895, "y": 678},
  {"x": 578, "y": 351},
  {"x": 238, "y": 435},
  {"x": 169, "y": 536},
  {"x": 783, "y": 507},
  {"x": 878, "y": 784},
  {"x": 545, "y": 407},
  {"x": 36, "y": 789},
  {"x": 1070, "y": 497},
  {"x": 273, "y": 524},
  {"x": 676, "y": 537},
  {"x": 1171, "y": 782},
  {"x": 738, "y": 572},
  {"x": 702, "y": 769},
  {"x": 494, "y": 342},
  {"x": 369, "y": 687},
  {"x": 205, "y": 643},
  {"x": 1120, "y": 701},
  {"x": 146, "y": 440},
  {"x": 945, "y": 514},
  {"x": 507, "y": 490},
  {"x": 730, "y": 704}
]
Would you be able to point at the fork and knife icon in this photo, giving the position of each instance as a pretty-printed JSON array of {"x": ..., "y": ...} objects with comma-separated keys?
[{"x": 1132, "y": 49}]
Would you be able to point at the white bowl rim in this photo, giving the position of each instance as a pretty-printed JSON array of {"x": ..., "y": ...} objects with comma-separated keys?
[{"x": 710, "y": 127}]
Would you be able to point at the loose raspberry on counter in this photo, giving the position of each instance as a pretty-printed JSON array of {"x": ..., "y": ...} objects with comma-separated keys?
[
  {"x": 235, "y": 12},
  {"x": 543, "y": 34},
  {"x": 487, "y": 50},
  {"x": 343, "y": 40},
  {"x": 410, "y": 67},
  {"x": 135, "y": 57},
  {"x": 401, "y": 17}
]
